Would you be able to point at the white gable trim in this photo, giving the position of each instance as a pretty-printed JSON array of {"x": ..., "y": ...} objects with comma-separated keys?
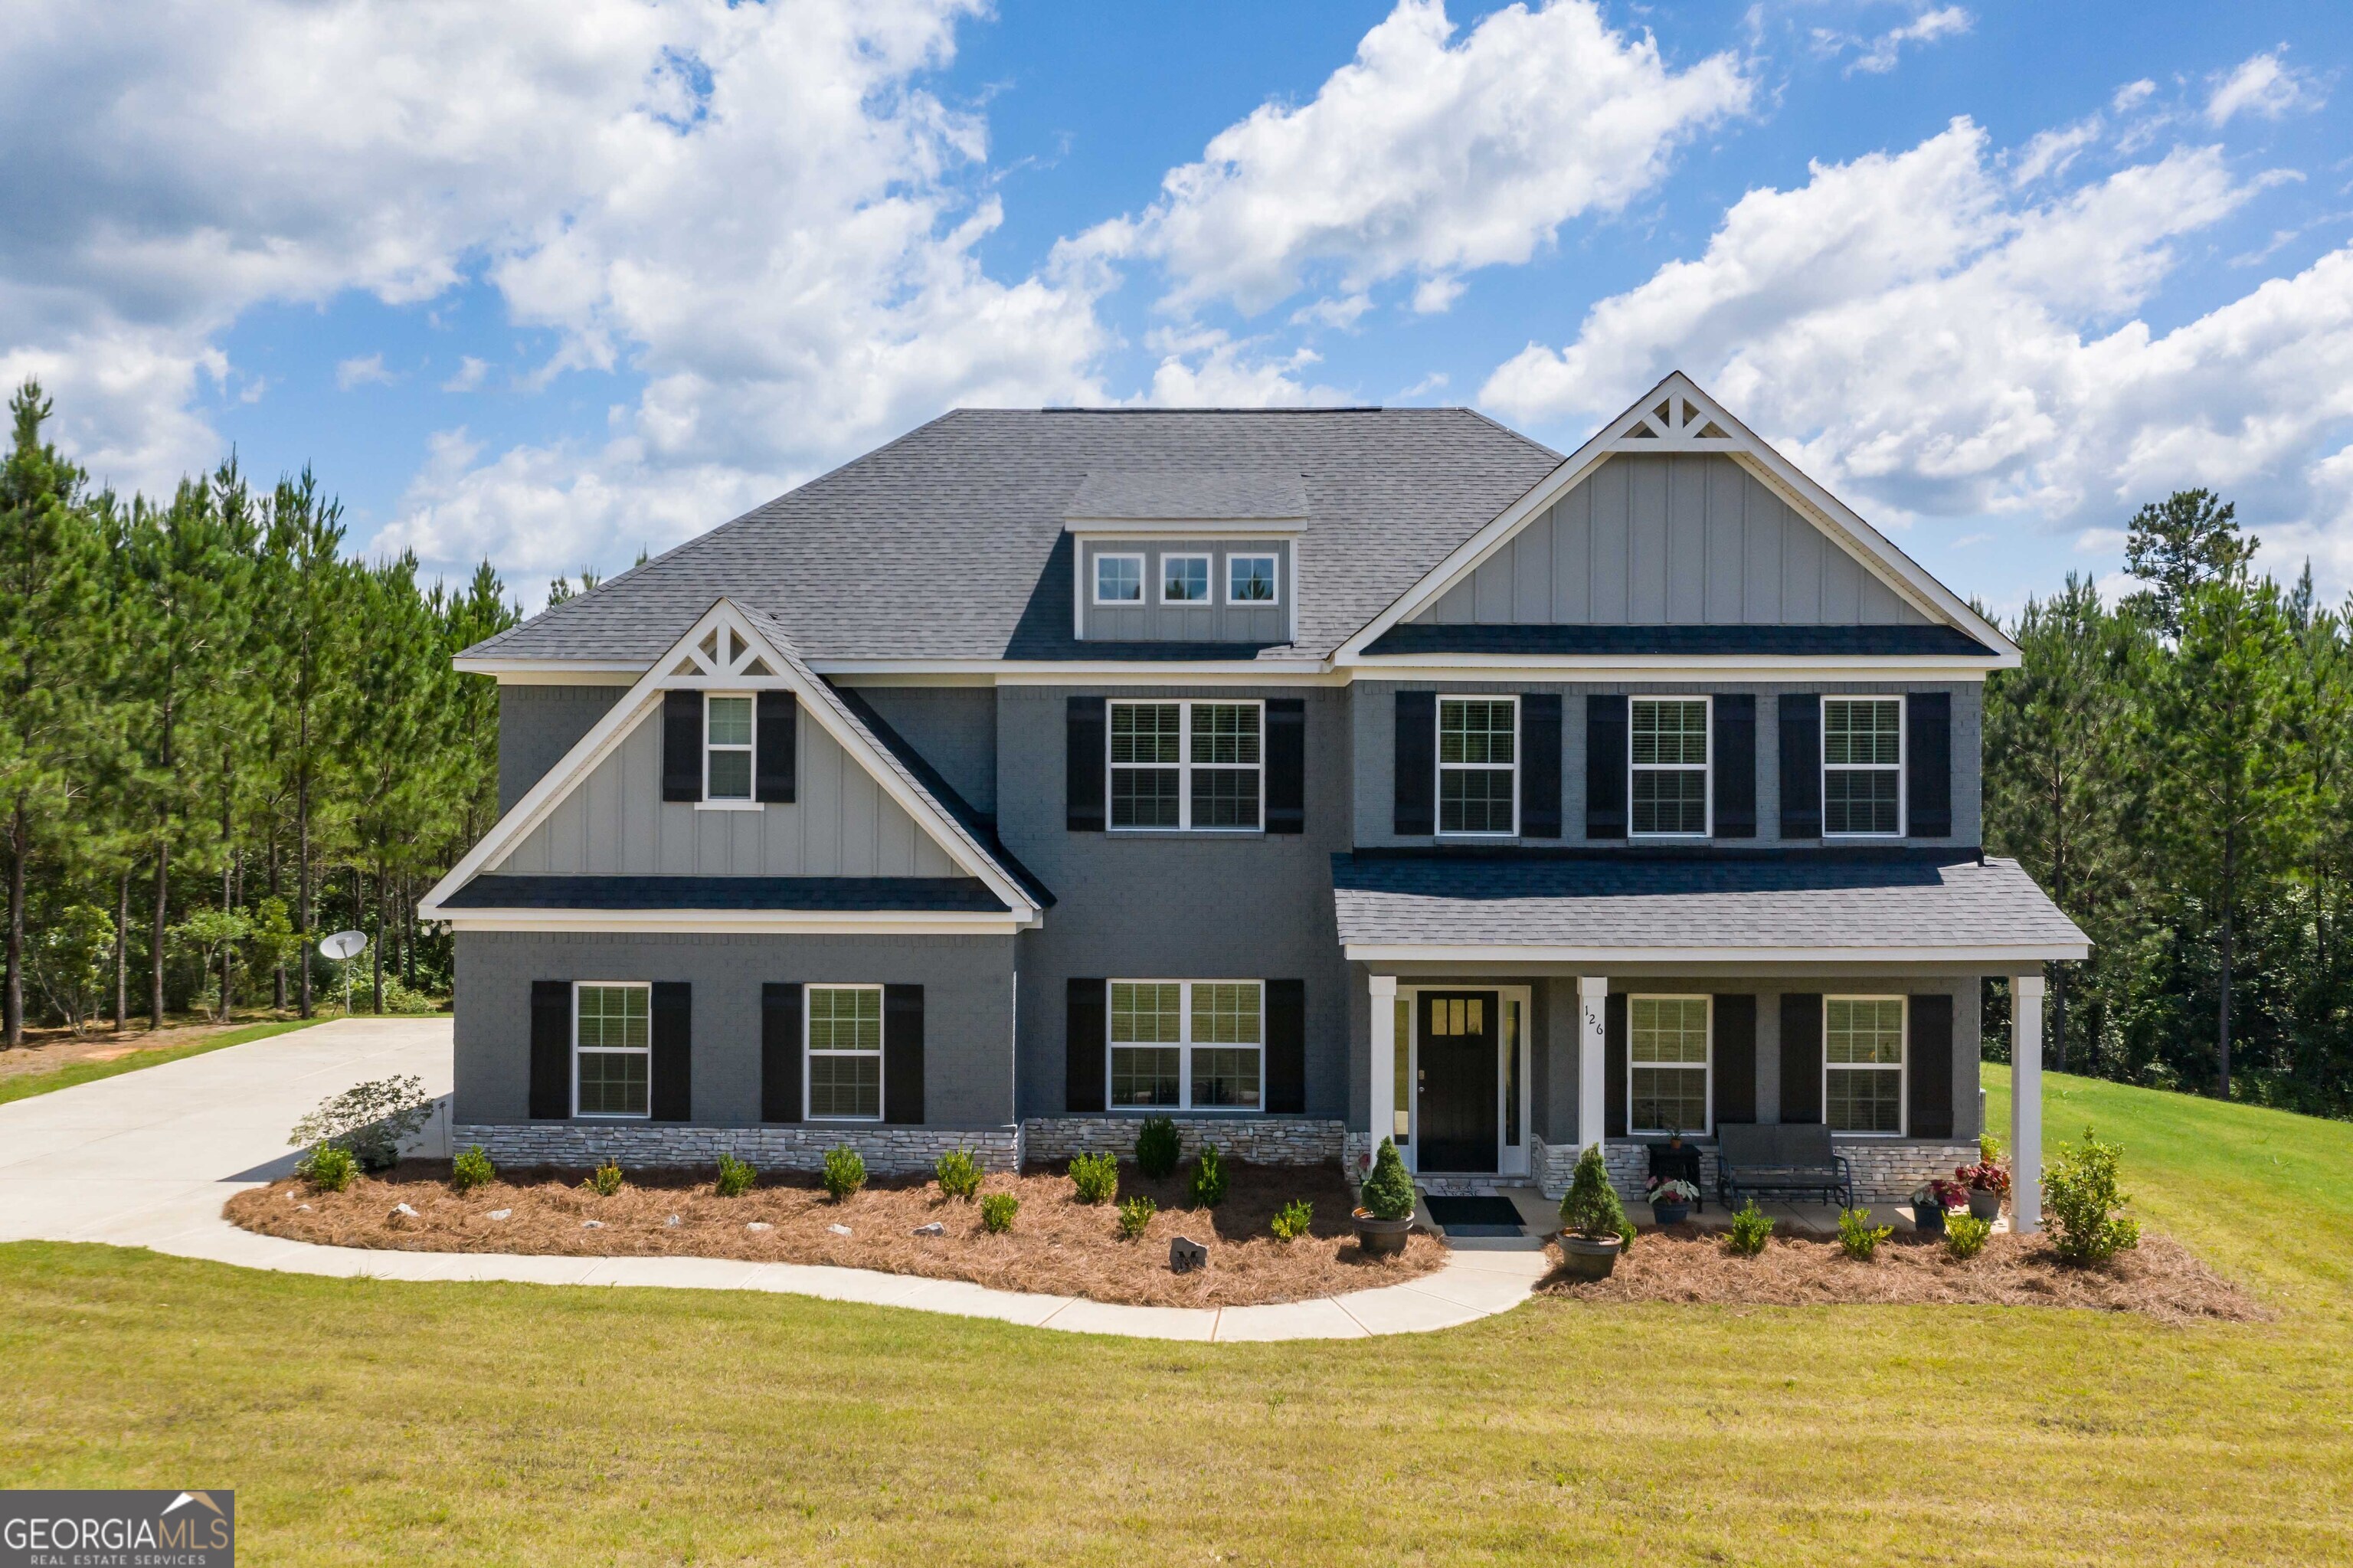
[
  {"x": 716, "y": 651},
  {"x": 1675, "y": 416}
]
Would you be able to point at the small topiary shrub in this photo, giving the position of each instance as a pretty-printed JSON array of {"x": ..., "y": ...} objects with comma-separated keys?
[
  {"x": 1135, "y": 1214},
  {"x": 472, "y": 1168},
  {"x": 1858, "y": 1238},
  {"x": 735, "y": 1177},
  {"x": 958, "y": 1173},
  {"x": 996, "y": 1212},
  {"x": 1388, "y": 1191},
  {"x": 330, "y": 1168},
  {"x": 1096, "y": 1176},
  {"x": 1590, "y": 1207},
  {"x": 1752, "y": 1227},
  {"x": 1157, "y": 1148},
  {"x": 845, "y": 1172},
  {"x": 1292, "y": 1223},
  {"x": 2081, "y": 1194},
  {"x": 1210, "y": 1180},
  {"x": 606, "y": 1180},
  {"x": 1965, "y": 1234}
]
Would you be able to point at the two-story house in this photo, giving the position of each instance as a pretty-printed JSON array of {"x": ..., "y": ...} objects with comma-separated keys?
[{"x": 1307, "y": 776}]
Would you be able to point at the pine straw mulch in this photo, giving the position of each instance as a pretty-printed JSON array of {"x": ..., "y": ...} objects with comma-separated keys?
[
  {"x": 1057, "y": 1247},
  {"x": 1681, "y": 1263}
]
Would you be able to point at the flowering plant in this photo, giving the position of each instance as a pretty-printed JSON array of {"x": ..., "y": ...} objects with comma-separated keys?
[
  {"x": 1985, "y": 1176},
  {"x": 1949, "y": 1195},
  {"x": 1674, "y": 1189}
]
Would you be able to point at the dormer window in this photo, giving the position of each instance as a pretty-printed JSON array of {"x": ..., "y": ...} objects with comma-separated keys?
[
  {"x": 1184, "y": 579},
  {"x": 1119, "y": 579},
  {"x": 726, "y": 748},
  {"x": 1250, "y": 580}
]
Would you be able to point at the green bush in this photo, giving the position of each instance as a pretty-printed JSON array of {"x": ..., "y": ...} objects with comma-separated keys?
[
  {"x": 845, "y": 1172},
  {"x": 1752, "y": 1227},
  {"x": 1207, "y": 1188},
  {"x": 996, "y": 1212},
  {"x": 1134, "y": 1213},
  {"x": 1096, "y": 1176},
  {"x": 1157, "y": 1148},
  {"x": 1388, "y": 1191},
  {"x": 735, "y": 1177},
  {"x": 1292, "y": 1223},
  {"x": 2080, "y": 1192},
  {"x": 1858, "y": 1236},
  {"x": 369, "y": 1120},
  {"x": 958, "y": 1173},
  {"x": 1965, "y": 1234},
  {"x": 330, "y": 1168},
  {"x": 1590, "y": 1207},
  {"x": 606, "y": 1180},
  {"x": 472, "y": 1168}
]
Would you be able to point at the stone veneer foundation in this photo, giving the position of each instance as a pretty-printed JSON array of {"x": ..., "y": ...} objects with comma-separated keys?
[
  {"x": 1261, "y": 1140},
  {"x": 1885, "y": 1172}
]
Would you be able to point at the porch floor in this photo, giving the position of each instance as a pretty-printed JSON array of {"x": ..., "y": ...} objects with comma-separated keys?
[{"x": 1541, "y": 1215}]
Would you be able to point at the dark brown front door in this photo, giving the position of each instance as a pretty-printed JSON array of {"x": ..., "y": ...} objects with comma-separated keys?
[{"x": 1455, "y": 1121}]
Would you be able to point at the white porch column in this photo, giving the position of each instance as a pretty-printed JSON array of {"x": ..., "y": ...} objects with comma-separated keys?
[
  {"x": 1592, "y": 1060},
  {"x": 1383, "y": 1097},
  {"x": 2026, "y": 1103}
]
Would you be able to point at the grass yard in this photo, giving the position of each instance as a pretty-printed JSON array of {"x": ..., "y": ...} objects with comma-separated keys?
[
  {"x": 24, "y": 1085},
  {"x": 365, "y": 1422}
]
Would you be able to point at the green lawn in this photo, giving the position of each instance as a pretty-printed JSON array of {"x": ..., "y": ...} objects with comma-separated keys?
[
  {"x": 26, "y": 1085},
  {"x": 365, "y": 1421}
]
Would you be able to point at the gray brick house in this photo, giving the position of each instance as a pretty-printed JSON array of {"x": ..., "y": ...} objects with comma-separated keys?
[{"x": 1307, "y": 776}]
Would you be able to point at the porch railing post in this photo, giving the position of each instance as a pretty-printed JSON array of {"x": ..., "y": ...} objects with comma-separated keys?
[
  {"x": 1383, "y": 1097},
  {"x": 2026, "y": 1104},
  {"x": 1592, "y": 1060}
]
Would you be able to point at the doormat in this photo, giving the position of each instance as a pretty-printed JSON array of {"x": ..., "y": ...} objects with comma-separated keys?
[{"x": 1488, "y": 1216}]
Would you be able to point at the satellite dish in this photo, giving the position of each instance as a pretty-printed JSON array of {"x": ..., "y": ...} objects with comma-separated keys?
[{"x": 344, "y": 945}]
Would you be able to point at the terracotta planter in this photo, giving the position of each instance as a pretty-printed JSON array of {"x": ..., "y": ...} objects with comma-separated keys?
[
  {"x": 1590, "y": 1257},
  {"x": 1670, "y": 1214},
  {"x": 1985, "y": 1203},
  {"x": 1380, "y": 1238}
]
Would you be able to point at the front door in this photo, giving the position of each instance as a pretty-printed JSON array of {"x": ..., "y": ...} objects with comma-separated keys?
[{"x": 1455, "y": 1121}]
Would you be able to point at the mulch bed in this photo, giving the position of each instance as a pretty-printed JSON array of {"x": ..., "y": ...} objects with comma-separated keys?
[
  {"x": 1056, "y": 1245},
  {"x": 1681, "y": 1263}
]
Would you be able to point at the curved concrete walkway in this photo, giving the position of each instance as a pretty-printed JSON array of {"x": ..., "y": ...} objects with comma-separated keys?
[{"x": 148, "y": 1159}]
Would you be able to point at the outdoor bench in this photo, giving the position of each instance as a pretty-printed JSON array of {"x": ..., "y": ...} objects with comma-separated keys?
[{"x": 1789, "y": 1159}]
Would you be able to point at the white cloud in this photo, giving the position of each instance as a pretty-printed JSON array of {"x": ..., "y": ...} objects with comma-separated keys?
[
  {"x": 1879, "y": 55},
  {"x": 2132, "y": 95},
  {"x": 1426, "y": 158},
  {"x": 2264, "y": 86},
  {"x": 470, "y": 374},
  {"x": 367, "y": 372},
  {"x": 1203, "y": 367}
]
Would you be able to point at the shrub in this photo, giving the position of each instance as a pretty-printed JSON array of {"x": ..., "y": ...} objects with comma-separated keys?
[
  {"x": 472, "y": 1168},
  {"x": 1157, "y": 1148},
  {"x": 368, "y": 1121},
  {"x": 1208, "y": 1185},
  {"x": 996, "y": 1212},
  {"x": 330, "y": 1168},
  {"x": 1965, "y": 1234},
  {"x": 2081, "y": 1194},
  {"x": 1096, "y": 1176},
  {"x": 1292, "y": 1223},
  {"x": 1591, "y": 1207},
  {"x": 606, "y": 1180},
  {"x": 959, "y": 1174},
  {"x": 1388, "y": 1191},
  {"x": 845, "y": 1172},
  {"x": 1988, "y": 1149},
  {"x": 1752, "y": 1227},
  {"x": 1858, "y": 1236},
  {"x": 1135, "y": 1214},
  {"x": 735, "y": 1177}
]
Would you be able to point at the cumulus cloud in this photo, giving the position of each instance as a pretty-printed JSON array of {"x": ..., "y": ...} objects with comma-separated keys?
[
  {"x": 471, "y": 373},
  {"x": 2264, "y": 86},
  {"x": 366, "y": 372},
  {"x": 1879, "y": 55}
]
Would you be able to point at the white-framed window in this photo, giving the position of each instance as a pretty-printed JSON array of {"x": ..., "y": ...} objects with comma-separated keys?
[
  {"x": 612, "y": 1048},
  {"x": 843, "y": 1026},
  {"x": 1184, "y": 579},
  {"x": 1478, "y": 766},
  {"x": 1188, "y": 765},
  {"x": 1667, "y": 1063},
  {"x": 727, "y": 739},
  {"x": 1863, "y": 1063},
  {"x": 1667, "y": 759},
  {"x": 1119, "y": 579},
  {"x": 1862, "y": 766},
  {"x": 1187, "y": 1044},
  {"x": 1250, "y": 580}
]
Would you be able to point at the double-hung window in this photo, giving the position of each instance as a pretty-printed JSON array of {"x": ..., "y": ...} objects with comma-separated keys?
[
  {"x": 1667, "y": 1063},
  {"x": 612, "y": 1039},
  {"x": 1188, "y": 765},
  {"x": 1669, "y": 758},
  {"x": 1119, "y": 579},
  {"x": 1250, "y": 580},
  {"x": 1478, "y": 772},
  {"x": 726, "y": 748},
  {"x": 1187, "y": 1044},
  {"x": 845, "y": 1051},
  {"x": 1184, "y": 579},
  {"x": 1862, "y": 766},
  {"x": 1863, "y": 1063}
]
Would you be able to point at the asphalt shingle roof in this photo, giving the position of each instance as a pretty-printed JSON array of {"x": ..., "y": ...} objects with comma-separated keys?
[
  {"x": 1192, "y": 494},
  {"x": 826, "y": 894}
]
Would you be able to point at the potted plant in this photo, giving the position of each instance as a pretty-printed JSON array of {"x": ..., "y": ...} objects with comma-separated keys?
[
  {"x": 1672, "y": 1199},
  {"x": 1387, "y": 1216},
  {"x": 1594, "y": 1229},
  {"x": 1989, "y": 1184},
  {"x": 1931, "y": 1202}
]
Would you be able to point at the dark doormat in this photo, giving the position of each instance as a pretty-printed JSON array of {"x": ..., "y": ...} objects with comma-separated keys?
[{"x": 1488, "y": 1216}]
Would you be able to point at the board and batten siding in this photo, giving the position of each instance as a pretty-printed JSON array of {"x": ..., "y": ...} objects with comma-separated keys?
[
  {"x": 615, "y": 822},
  {"x": 1685, "y": 539}
]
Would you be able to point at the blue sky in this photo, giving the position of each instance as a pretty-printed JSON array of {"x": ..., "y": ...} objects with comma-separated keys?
[{"x": 549, "y": 283}]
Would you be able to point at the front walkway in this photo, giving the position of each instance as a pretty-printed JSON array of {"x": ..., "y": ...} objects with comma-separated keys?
[{"x": 148, "y": 1159}]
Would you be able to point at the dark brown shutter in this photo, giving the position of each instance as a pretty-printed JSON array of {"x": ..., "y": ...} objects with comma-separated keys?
[
  {"x": 1540, "y": 764},
  {"x": 780, "y": 1051},
  {"x": 1732, "y": 1080},
  {"x": 681, "y": 746},
  {"x": 1605, "y": 765},
  {"x": 1928, "y": 1066},
  {"x": 551, "y": 1050},
  {"x": 902, "y": 1054},
  {"x": 1286, "y": 764},
  {"x": 672, "y": 1071},
  {"x": 1088, "y": 756},
  {"x": 1736, "y": 767},
  {"x": 1802, "y": 767},
  {"x": 1416, "y": 816},
  {"x": 1613, "y": 1062},
  {"x": 1802, "y": 1056},
  {"x": 1929, "y": 765},
  {"x": 1086, "y": 1022},
  {"x": 1286, "y": 1046},
  {"x": 779, "y": 747}
]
